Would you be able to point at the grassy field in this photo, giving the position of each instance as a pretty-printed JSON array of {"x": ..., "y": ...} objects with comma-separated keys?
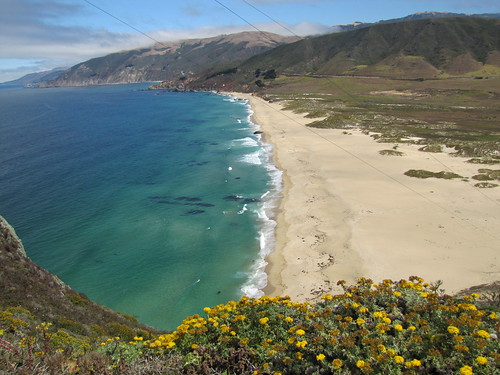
[{"x": 462, "y": 113}]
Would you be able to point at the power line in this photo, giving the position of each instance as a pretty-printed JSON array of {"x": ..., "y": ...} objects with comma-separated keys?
[
  {"x": 125, "y": 23},
  {"x": 240, "y": 17},
  {"x": 272, "y": 19}
]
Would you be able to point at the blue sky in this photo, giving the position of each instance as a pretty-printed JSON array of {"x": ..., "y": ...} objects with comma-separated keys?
[{"x": 38, "y": 35}]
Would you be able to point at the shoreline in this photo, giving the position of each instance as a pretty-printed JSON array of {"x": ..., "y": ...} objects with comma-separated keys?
[{"x": 349, "y": 212}]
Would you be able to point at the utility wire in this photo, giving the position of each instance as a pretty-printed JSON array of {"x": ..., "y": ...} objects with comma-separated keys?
[
  {"x": 125, "y": 23},
  {"x": 272, "y": 19},
  {"x": 240, "y": 17}
]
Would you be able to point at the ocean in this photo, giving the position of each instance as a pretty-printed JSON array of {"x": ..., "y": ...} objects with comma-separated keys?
[{"x": 153, "y": 203}]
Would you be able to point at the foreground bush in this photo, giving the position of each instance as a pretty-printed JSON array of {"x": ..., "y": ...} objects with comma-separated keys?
[{"x": 404, "y": 327}]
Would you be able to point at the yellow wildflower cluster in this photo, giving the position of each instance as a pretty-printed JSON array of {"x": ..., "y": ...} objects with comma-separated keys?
[{"x": 389, "y": 322}]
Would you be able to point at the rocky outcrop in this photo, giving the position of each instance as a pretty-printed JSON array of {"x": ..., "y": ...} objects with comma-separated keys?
[{"x": 9, "y": 242}]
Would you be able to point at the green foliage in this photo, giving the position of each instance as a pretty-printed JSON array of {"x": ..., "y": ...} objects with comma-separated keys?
[
  {"x": 71, "y": 325},
  {"x": 391, "y": 152},
  {"x": 487, "y": 175},
  {"x": 223, "y": 72},
  {"x": 422, "y": 173},
  {"x": 120, "y": 330}
]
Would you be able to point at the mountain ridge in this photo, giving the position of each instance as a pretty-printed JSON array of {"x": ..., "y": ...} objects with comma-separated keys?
[
  {"x": 168, "y": 60},
  {"x": 421, "y": 49}
]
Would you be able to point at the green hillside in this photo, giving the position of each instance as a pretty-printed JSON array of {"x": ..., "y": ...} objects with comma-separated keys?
[{"x": 420, "y": 49}]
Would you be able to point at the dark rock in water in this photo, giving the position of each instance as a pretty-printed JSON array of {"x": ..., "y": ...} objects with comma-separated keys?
[
  {"x": 169, "y": 202},
  {"x": 233, "y": 198},
  {"x": 158, "y": 197},
  {"x": 204, "y": 205},
  {"x": 251, "y": 200},
  {"x": 194, "y": 212},
  {"x": 193, "y": 163},
  {"x": 257, "y": 132},
  {"x": 189, "y": 199}
]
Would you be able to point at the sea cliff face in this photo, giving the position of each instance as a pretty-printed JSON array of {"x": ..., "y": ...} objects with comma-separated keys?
[{"x": 9, "y": 242}]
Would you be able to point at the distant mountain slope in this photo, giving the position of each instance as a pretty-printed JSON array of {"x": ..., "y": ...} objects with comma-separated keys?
[
  {"x": 169, "y": 60},
  {"x": 411, "y": 17},
  {"x": 32, "y": 78},
  {"x": 437, "y": 42},
  {"x": 413, "y": 49}
]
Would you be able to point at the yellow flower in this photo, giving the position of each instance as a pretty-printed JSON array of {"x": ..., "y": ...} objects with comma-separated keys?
[
  {"x": 301, "y": 344},
  {"x": 360, "y": 321},
  {"x": 288, "y": 319},
  {"x": 484, "y": 334},
  {"x": 300, "y": 332},
  {"x": 299, "y": 355},
  {"x": 412, "y": 328},
  {"x": 424, "y": 294},
  {"x": 363, "y": 310},
  {"x": 413, "y": 363},
  {"x": 466, "y": 370},
  {"x": 264, "y": 320},
  {"x": 387, "y": 320},
  {"x": 453, "y": 330},
  {"x": 194, "y": 346},
  {"x": 398, "y": 359},
  {"x": 481, "y": 360},
  {"x": 337, "y": 363},
  {"x": 320, "y": 357},
  {"x": 397, "y": 294},
  {"x": 493, "y": 316},
  {"x": 398, "y": 327},
  {"x": 361, "y": 364}
]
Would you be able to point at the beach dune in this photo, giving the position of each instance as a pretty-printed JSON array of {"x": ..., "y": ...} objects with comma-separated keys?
[{"x": 349, "y": 212}]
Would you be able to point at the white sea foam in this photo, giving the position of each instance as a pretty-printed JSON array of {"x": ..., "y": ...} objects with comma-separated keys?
[
  {"x": 247, "y": 141},
  {"x": 269, "y": 201},
  {"x": 253, "y": 158}
]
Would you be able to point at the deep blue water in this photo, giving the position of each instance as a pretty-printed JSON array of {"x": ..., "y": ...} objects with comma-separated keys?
[{"x": 153, "y": 203}]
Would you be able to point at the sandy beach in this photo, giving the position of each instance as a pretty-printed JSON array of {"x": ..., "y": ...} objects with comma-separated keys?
[{"x": 348, "y": 211}]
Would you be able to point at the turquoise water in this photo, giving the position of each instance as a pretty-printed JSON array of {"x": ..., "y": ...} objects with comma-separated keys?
[{"x": 153, "y": 203}]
